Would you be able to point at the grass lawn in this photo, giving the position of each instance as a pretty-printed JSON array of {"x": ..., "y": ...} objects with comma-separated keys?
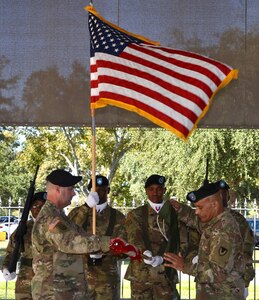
[{"x": 10, "y": 290}]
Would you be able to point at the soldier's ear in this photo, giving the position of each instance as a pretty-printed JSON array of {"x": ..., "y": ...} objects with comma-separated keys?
[
  {"x": 108, "y": 190},
  {"x": 164, "y": 190}
]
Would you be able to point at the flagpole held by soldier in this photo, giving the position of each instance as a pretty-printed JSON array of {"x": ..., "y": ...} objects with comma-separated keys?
[{"x": 101, "y": 270}]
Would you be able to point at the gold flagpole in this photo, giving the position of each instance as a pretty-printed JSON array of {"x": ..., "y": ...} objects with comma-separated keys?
[
  {"x": 93, "y": 166},
  {"x": 93, "y": 159}
]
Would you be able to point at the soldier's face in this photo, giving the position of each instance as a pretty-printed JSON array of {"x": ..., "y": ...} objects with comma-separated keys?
[
  {"x": 155, "y": 193},
  {"x": 66, "y": 195},
  {"x": 102, "y": 192},
  {"x": 36, "y": 207},
  {"x": 206, "y": 209}
]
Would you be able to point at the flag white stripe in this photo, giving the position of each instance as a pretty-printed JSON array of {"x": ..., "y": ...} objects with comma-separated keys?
[
  {"x": 169, "y": 79},
  {"x": 151, "y": 102},
  {"x": 183, "y": 71},
  {"x": 185, "y": 58},
  {"x": 151, "y": 85}
]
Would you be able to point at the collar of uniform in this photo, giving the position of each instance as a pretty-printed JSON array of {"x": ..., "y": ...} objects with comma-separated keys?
[
  {"x": 156, "y": 206},
  {"x": 101, "y": 207}
]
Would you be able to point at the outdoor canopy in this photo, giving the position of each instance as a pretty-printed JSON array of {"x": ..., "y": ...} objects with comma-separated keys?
[{"x": 46, "y": 44}]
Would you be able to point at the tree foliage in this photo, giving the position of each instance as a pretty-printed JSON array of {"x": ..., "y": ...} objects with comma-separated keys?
[
  {"x": 128, "y": 156},
  {"x": 232, "y": 156}
]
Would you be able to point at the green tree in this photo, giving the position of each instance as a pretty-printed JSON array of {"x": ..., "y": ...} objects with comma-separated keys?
[
  {"x": 13, "y": 177},
  {"x": 71, "y": 148},
  {"x": 232, "y": 156}
]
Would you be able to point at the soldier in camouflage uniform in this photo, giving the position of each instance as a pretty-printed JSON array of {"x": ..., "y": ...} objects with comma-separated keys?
[
  {"x": 246, "y": 233},
  {"x": 101, "y": 270},
  {"x": 24, "y": 277},
  {"x": 153, "y": 229},
  {"x": 220, "y": 262},
  {"x": 55, "y": 238}
]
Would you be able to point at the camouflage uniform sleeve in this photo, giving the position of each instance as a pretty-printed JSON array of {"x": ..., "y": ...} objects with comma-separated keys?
[
  {"x": 134, "y": 231},
  {"x": 187, "y": 215},
  {"x": 191, "y": 251},
  {"x": 119, "y": 228},
  {"x": 67, "y": 239},
  {"x": 248, "y": 238},
  {"x": 9, "y": 250},
  {"x": 248, "y": 254},
  {"x": 78, "y": 215}
]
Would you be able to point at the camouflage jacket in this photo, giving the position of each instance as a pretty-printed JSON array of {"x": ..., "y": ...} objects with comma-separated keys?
[
  {"x": 54, "y": 236},
  {"x": 108, "y": 222},
  {"x": 143, "y": 232},
  {"x": 221, "y": 262},
  {"x": 25, "y": 273},
  {"x": 248, "y": 238},
  {"x": 187, "y": 215}
]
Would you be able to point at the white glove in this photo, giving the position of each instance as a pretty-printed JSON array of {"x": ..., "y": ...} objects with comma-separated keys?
[
  {"x": 154, "y": 261},
  {"x": 7, "y": 275},
  {"x": 96, "y": 256},
  {"x": 147, "y": 261},
  {"x": 195, "y": 260},
  {"x": 245, "y": 292},
  {"x": 92, "y": 199},
  {"x": 157, "y": 261}
]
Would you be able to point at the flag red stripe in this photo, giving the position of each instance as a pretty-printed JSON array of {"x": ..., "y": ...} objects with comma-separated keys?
[
  {"x": 222, "y": 67},
  {"x": 158, "y": 114},
  {"x": 150, "y": 93},
  {"x": 183, "y": 64},
  {"x": 193, "y": 81},
  {"x": 138, "y": 73}
]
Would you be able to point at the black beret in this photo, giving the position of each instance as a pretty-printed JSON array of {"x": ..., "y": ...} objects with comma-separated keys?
[
  {"x": 63, "y": 178},
  {"x": 100, "y": 180},
  {"x": 222, "y": 184},
  {"x": 42, "y": 196},
  {"x": 203, "y": 192},
  {"x": 155, "y": 179}
]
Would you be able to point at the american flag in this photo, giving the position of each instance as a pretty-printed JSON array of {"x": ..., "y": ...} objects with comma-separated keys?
[{"x": 172, "y": 88}]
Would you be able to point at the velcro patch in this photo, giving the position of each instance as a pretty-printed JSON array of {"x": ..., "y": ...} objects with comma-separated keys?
[
  {"x": 221, "y": 252},
  {"x": 54, "y": 224}
]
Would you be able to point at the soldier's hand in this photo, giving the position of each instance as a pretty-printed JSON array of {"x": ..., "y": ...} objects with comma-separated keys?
[
  {"x": 176, "y": 205},
  {"x": 7, "y": 275},
  {"x": 154, "y": 261},
  {"x": 195, "y": 260},
  {"x": 174, "y": 261},
  {"x": 96, "y": 256},
  {"x": 92, "y": 199},
  {"x": 157, "y": 261},
  {"x": 148, "y": 258}
]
